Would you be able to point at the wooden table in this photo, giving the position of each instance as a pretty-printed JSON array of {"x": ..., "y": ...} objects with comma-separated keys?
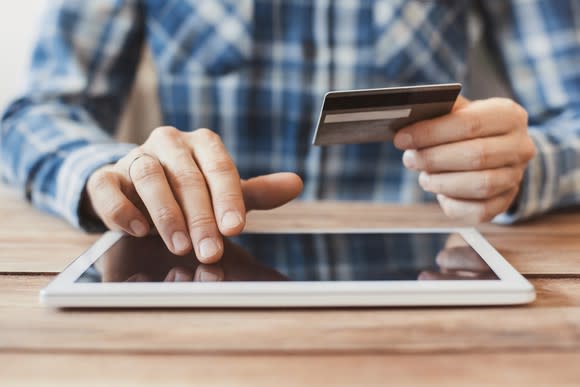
[{"x": 535, "y": 344}]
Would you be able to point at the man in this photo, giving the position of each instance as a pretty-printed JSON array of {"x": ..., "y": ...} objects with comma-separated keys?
[{"x": 254, "y": 72}]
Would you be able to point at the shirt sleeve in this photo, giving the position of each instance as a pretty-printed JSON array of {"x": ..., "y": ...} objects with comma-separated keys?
[
  {"x": 538, "y": 46},
  {"x": 60, "y": 130}
]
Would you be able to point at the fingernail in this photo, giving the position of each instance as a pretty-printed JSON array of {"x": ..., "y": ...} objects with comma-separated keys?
[
  {"x": 403, "y": 140},
  {"x": 180, "y": 241},
  {"x": 207, "y": 276},
  {"x": 409, "y": 159},
  {"x": 207, "y": 248},
  {"x": 138, "y": 228},
  {"x": 424, "y": 179},
  {"x": 231, "y": 219}
]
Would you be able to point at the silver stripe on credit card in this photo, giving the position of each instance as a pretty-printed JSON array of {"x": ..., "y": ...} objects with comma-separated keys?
[{"x": 367, "y": 116}]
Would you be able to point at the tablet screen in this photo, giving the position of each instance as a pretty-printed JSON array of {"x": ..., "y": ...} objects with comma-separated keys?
[{"x": 298, "y": 257}]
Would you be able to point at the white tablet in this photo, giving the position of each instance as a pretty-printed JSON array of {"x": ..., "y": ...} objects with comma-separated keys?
[{"x": 388, "y": 267}]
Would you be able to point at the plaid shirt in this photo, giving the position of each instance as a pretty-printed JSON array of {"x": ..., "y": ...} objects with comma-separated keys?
[{"x": 255, "y": 72}]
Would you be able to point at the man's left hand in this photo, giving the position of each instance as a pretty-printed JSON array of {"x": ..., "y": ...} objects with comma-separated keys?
[{"x": 473, "y": 158}]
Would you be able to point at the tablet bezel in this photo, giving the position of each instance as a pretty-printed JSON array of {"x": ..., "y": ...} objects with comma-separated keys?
[{"x": 511, "y": 288}]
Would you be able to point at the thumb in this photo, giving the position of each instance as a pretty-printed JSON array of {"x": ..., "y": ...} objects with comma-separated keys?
[{"x": 271, "y": 191}]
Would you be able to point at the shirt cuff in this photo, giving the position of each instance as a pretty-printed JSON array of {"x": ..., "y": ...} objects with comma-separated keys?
[{"x": 73, "y": 175}]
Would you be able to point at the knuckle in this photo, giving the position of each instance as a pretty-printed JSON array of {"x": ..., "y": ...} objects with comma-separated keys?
[
  {"x": 225, "y": 199},
  {"x": 479, "y": 155},
  {"x": 182, "y": 158},
  {"x": 117, "y": 212},
  {"x": 186, "y": 178},
  {"x": 501, "y": 103},
  {"x": 99, "y": 180},
  {"x": 506, "y": 104},
  {"x": 165, "y": 132},
  {"x": 485, "y": 187},
  {"x": 167, "y": 215},
  {"x": 144, "y": 169},
  {"x": 129, "y": 157},
  {"x": 207, "y": 135},
  {"x": 220, "y": 166},
  {"x": 528, "y": 150},
  {"x": 472, "y": 124},
  {"x": 514, "y": 110},
  {"x": 215, "y": 146},
  {"x": 510, "y": 178},
  {"x": 521, "y": 113},
  {"x": 201, "y": 220}
]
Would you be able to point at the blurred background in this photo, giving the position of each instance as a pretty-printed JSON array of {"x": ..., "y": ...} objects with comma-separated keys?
[{"x": 20, "y": 23}]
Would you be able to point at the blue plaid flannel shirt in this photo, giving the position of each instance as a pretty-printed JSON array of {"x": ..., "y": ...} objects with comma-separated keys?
[{"x": 255, "y": 72}]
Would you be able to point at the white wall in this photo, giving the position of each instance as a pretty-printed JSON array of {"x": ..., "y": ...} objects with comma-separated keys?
[{"x": 19, "y": 21}]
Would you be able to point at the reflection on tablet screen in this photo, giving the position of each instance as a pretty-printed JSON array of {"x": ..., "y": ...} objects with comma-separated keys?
[{"x": 298, "y": 257}]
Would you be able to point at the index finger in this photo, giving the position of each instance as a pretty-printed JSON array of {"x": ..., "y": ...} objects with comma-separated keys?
[
  {"x": 483, "y": 118},
  {"x": 222, "y": 179}
]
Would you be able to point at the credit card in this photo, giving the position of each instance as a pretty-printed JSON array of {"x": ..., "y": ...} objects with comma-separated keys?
[{"x": 375, "y": 115}]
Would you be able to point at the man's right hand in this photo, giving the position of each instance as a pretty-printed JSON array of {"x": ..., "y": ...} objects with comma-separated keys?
[{"x": 188, "y": 187}]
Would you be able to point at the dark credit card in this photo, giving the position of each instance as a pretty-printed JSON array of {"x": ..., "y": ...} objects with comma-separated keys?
[{"x": 374, "y": 115}]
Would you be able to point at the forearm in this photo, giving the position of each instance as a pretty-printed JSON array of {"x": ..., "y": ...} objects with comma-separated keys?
[
  {"x": 62, "y": 129},
  {"x": 48, "y": 152}
]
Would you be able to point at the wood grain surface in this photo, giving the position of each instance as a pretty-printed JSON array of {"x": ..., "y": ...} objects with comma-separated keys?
[
  {"x": 538, "y": 344},
  {"x": 488, "y": 369}
]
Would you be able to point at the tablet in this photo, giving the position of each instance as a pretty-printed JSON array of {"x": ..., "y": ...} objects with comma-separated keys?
[{"x": 347, "y": 268}]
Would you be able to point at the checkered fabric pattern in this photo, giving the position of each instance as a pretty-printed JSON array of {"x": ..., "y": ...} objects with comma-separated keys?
[{"x": 255, "y": 72}]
